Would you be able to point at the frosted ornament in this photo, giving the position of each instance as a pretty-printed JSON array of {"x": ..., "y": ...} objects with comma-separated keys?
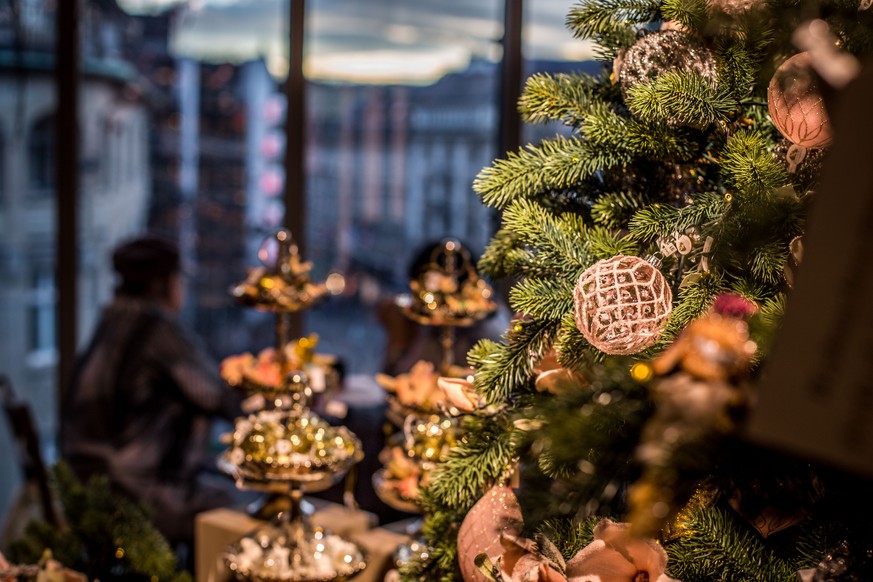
[
  {"x": 796, "y": 105},
  {"x": 496, "y": 513},
  {"x": 659, "y": 52},
  {"x": 733, "y": 7},
  {"x": 622, "y": 304}
]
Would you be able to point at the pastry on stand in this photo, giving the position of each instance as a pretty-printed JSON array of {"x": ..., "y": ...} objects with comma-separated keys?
[
  {"x": 284, "y": 449},
  {"x": 407, "y": 462},
  {"x": 447, "y": 294}
]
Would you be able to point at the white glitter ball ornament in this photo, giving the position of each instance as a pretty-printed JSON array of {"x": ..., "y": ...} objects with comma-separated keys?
[
  {"x": 659, "y": 52},
  {"x": 496, "y": 513},
  {"x": 622, "y": 304}
]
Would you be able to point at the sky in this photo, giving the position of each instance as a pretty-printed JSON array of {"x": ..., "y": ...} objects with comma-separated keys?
[{"x": 366, "y": 41}]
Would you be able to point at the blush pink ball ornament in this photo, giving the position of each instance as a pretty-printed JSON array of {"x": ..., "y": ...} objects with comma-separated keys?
[
  {"x": 796, "y": 104},
  {"x": 622, "y": 304},
  {"x": 497, "y": 512}
]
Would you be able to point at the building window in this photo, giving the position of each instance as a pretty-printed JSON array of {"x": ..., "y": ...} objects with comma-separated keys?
[
  {"x": 41, "y": 318},
  {"x": 2, "y": 167},
  {"x": 41, "y": 155}
]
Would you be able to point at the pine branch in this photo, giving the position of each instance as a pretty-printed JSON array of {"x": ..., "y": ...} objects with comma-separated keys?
[
  {"x": 615, "y": 209},
  {"x": 690, "y": 13},
  {"x": 772, "y": 310},
  {"x": 478, "y": 461},
  {"x": 554, "y": 164},
  {"x": 543, "y": 298},
  {"x": 612, "y": 23},
  {"x": 693, "y": 301},
  {"x": 99, "y": 522},
  {"x": 739, "y": 58},
  {"x": 768, "y": 262},
  {"x": 749, "y": 168},
  {"x": 557, "y": 240},
  {"x": 508, "y": 370},
  {"x": 562, "y": 97},
  {"x": 482, "y": 351},
  {"x": 764, "y": 325},
  {"x": 660, "y": 220},
  {"x": 720, "y": 547},
  {"x": 606, "y": 130},
  {"x": 605, "y": 243},
  {"x": 502, "y": 256},
  {"x": 440, "y": 530},
  {"x": 570, "y": 536},
  {"x": 593, "y": 430},
  {"x": 680, "y": 98},
  {"x": 574, "y": 351}
]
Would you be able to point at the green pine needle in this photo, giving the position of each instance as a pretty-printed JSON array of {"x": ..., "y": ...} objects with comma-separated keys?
[
  {"x": 478, "y": 461},
  {"x": 543, "y": 298},
  {"x": 690, "y": 13},
  {"x": 554, "y": 164},
  {"x": 614, "y": 209},
  {"x": 561, "y": 97},
  {"x": 681, "y": 98},
  {"x": 749, "y": 168}
]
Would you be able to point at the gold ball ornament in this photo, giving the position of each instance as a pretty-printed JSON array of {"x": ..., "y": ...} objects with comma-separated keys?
[
  {"x": 622, "y": 304},
  {"x": 496, "y": 513},
  {"x": 796, "y": 105}
]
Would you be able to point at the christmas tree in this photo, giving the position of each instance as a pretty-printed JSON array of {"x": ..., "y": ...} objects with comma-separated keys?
[
  {"x": 652, "y": 250},
  {"x": 105, "y": 536}
]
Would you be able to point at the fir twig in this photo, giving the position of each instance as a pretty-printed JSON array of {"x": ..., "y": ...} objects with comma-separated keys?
[
  {"x": 681, "y": 98},
  {"x": 554, "y": 164},
  {"x": 476, "y": 462},
  {"x": 749, "y": 168},
  {"x": 508, "y": 369},
  {"x": 563, "y": 97}
]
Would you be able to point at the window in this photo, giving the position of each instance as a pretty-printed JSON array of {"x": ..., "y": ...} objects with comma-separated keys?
[
  {"x": 402, "y": 115},
  {"x": 41, "y": 319},
  {"x": 187, "y": 111},
  {"x": 41, "y": 156}
]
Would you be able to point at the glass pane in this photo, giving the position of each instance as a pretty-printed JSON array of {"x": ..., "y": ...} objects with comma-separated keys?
[
  {"x": 27, "y": 216},
  {"x": 182, "y": 136},
  {"x": 402, "y": 108},
  {"x": 188, "y": 146},
  {"x": 216, "y": 129},
  {"x": 548, "y": 47}
]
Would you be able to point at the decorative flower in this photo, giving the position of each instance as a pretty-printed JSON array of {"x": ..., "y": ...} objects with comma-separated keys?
[
  {"x": 733, "y": 305},
  {"x": 549, "y": 361},
  {"x": 524, "y": 561},
  {"x": 614, "y": 556},
  {"x": 715, "y": 346},
  {"x": 460, "y": 393},
  {"x": 559, "y": 381}
]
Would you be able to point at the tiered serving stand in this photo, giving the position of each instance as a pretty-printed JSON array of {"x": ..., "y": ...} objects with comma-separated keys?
[
  {"x": 284, "y": 449},
  {"x": 447, "y": 294}
]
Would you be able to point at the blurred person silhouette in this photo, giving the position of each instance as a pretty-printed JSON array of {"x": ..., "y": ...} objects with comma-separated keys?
[
  {"x": 143, "y": 395},
  {"x": 408, "y": 342}
]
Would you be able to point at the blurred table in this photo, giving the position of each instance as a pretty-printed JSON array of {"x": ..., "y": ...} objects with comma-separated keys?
[{"x": 217, "y": 529}]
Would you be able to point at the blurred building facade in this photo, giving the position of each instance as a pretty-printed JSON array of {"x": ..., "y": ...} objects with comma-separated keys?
[{"x": 114, "y": 188}]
